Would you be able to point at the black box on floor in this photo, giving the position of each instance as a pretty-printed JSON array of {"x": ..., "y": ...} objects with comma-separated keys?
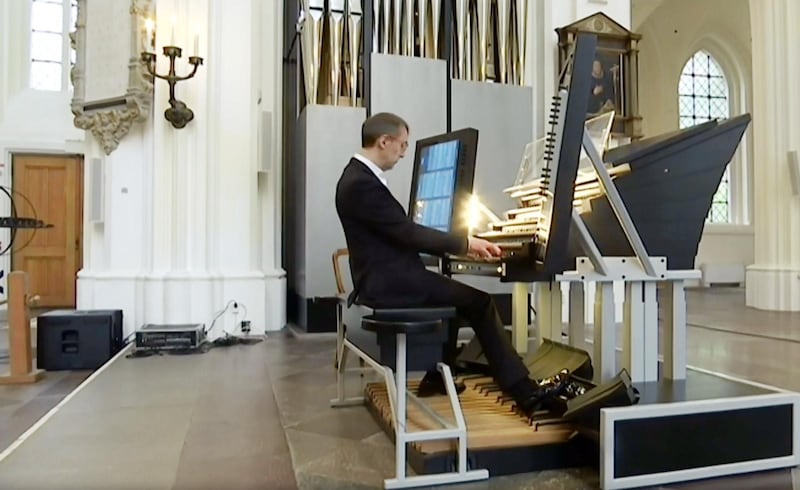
[{"x": 77, "y": 339}]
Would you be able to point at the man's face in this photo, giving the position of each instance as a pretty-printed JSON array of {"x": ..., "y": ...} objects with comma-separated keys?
[{"x": 393, "y": 148}]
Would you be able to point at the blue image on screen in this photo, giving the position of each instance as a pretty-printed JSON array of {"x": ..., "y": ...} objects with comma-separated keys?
[{"x": 436, "y": 181}]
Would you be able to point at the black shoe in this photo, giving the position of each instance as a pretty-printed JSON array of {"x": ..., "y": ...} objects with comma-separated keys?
[
  {"x": 433, "y": 384},
  {"x": 531, "y": 397}
]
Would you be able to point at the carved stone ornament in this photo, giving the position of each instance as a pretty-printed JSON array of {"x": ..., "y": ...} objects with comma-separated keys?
[{"x": 118, "y": 100}]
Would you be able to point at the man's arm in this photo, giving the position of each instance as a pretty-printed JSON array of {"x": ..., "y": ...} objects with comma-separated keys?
[{"x": 373, "y": 205}]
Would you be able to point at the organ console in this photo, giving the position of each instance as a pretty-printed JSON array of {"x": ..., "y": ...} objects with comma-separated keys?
[{"x": 632, "y": 214}]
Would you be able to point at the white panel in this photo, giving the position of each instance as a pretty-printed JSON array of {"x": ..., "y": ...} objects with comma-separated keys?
[
  {"x": 416, "y": 90},
  {"x": 108, "y": 43},
  {"x": 97, "y": 183},
  {"x": 332, "y": 136},
  {"x": 265, "y": 142},
  {"x": 794, "y": 172},
  {"x": 502, "y": 116}
]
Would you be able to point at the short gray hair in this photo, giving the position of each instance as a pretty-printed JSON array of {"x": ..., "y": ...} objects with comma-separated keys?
[{"x": 383, "y": 123}]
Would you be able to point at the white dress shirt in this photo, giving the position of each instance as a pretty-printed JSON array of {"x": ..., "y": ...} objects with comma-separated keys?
[{"x": 375, "y": 169}]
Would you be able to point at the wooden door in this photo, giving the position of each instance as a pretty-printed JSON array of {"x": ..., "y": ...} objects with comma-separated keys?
[{"x": 50, "y": 188}]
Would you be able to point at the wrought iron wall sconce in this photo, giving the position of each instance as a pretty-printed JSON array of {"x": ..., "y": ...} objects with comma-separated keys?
[{"x": 178, "y": 113}]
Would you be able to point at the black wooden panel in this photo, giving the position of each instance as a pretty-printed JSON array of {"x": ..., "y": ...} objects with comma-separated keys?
[{"x": 682, "y": 442}]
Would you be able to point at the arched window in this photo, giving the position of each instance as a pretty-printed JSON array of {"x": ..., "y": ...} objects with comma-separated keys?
[
  {"x": 703, "y": 95},
  {"x": 51, "y": 22}
]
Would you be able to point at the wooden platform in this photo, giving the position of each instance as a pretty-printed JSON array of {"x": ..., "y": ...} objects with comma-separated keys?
[{"x": 498, "y": 436}]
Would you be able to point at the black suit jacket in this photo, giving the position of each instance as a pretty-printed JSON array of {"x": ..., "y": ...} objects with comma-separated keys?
[{"x": 384, "y": 243}]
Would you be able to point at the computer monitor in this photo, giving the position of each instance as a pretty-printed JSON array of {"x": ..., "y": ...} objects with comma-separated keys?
[{"x": 441, "y": 184}]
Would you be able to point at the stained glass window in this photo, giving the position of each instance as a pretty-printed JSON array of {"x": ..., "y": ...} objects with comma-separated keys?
[{"x": 703, "y": 96}]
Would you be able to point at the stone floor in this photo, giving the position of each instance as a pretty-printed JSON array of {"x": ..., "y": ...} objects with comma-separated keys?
[{"x": 258, "y": 416}]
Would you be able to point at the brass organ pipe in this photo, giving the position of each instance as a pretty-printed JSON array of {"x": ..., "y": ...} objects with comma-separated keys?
[
  {"x": 501, "y": 65},
  {"x": 335, "y": 29},
  {"x": 408, "y": 28},
  {"x": 422, "y": 17},
  {"x": 354, "y": 19}
]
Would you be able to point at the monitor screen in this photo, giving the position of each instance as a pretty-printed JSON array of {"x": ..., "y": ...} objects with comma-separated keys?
[
  {"x": 444, "y": 167},
  {"x": 436, "y": 185}
]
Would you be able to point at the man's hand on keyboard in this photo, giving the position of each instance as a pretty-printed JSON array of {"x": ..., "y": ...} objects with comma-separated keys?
[{"x": 482, "y": 249}]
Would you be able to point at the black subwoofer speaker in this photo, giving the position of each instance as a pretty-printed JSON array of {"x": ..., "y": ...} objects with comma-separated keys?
[{"x": 79, "y": 339}]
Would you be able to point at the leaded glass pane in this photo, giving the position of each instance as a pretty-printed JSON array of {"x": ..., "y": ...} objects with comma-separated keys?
[
  {"x": 703, "y": 95},
  {"x": 45, "y": 75},
  {"x": 46, "y": 16},
  {"x": 700, "y": 65},
  {"x": 46, "y": 46},
  {"x": 701, "y": 109},
  {"x": 686, "y": 104},
  {"x": 701, "y": 86},
  {"x": 719, "y": 88},
  {"x": 713, "y": 69},
  {"x": 685, "y": 85},
  {"x": 719, "y": 108}
]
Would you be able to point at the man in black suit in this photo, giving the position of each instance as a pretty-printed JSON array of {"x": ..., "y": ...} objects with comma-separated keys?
[{"x": 384, "y": 245}]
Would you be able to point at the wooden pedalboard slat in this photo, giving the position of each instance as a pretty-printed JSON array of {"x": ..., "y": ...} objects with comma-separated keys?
[{"x": 499, "y": 438}]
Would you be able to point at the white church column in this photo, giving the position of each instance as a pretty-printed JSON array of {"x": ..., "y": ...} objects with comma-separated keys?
[
  {"x": 269, "y": 191},
  {"x": 773, "y": 282},
  {"x": 187, "y": 209},
  {"x": 14, "y": 25}
]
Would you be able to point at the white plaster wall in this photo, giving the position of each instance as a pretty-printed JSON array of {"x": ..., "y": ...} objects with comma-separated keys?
[{"x": 190, "y": 223}]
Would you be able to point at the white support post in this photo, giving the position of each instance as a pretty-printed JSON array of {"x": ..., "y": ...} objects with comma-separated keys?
[
  {"x": 650, "y": 331},
  {"x": 577, "y": 315},
  {"x": 674, "y": 340},
  {"x": 548, "y": 312},
  {"x": 519, "y": 318},
  {"x": 400, "y": 407},
  {"x": 403, "y": 437},
  {"x": 604, "y": 332},
  {"x": 339, "y": 335},
  {"x": 633, "y": 352},
  {"x": 640, "y": 331}
]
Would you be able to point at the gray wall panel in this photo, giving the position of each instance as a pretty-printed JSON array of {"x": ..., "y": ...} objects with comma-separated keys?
[
  {"x": 416, "y": 90},
  {"x": 502, "y": 116},
  {"x": 332, "y": 136}
]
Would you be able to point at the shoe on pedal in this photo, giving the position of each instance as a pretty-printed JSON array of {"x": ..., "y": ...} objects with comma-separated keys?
[{"x": 433, "y": 384}]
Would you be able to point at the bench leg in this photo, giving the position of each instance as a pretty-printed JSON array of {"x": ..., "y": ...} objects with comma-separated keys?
[
  {"x": 397, "y": 399},
  {"x": 341, "y": 399}
]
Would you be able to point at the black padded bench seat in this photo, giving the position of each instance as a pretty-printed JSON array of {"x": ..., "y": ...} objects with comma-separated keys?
[{"x": 424, "y": 328}]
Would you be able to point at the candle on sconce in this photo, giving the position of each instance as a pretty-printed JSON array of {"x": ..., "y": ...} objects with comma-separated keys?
[
  {"x": 172, "y": 36},
  {"x": 149, "y": 26},
  {"x": 196, "y": 44}
]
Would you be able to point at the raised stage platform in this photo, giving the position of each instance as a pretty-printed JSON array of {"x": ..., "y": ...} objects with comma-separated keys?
[{"x": 700, "y": 427}]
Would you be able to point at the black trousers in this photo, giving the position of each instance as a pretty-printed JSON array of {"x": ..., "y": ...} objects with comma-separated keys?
[{"x": 428, "y": 288}]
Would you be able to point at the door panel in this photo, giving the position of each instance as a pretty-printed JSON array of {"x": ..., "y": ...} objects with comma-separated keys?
[{"x": 49, "y": 188}]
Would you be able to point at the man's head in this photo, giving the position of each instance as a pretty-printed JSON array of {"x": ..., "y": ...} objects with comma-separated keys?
[
  {"x": 384, "y": 139},
  {"x": 597, "y": 69}
]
